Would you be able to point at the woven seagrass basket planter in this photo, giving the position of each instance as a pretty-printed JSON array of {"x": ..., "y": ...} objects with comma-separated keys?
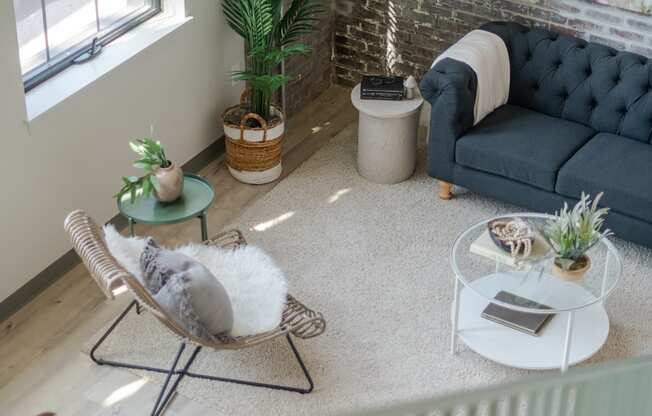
[{"x": 253, "y": 154}]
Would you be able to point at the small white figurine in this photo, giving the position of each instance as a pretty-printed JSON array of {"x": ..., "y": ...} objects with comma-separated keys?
[{"x": 410, "y": 85}]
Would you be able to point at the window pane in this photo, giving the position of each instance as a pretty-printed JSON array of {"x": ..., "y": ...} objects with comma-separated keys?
[
  {"x": 31, "y": 38},
  {"x": 69, "y": 22},
  {"x": 113, "y": 11}
]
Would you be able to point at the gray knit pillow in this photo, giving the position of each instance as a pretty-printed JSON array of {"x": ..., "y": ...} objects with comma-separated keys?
[{"x": 187, "y": 291}]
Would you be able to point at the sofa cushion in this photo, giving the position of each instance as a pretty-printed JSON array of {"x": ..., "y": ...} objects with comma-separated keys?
[
  {"x": 522, "y": 145},
  {"x": 620, "y": 167}
]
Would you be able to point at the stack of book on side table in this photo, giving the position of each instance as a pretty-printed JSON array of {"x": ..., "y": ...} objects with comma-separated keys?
[
  {"x": 490, "y": 245},
  {"x": 376, "y": 87}
]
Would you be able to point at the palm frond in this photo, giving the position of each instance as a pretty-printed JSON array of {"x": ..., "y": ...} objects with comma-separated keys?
[
  {"x": 251, "y": 19},
  {"x": 266, "y": 83},
  {"x": 234, "y": 16},
  {"x": 275, "y": 56},
  {"x": 276, "y": 9},
  {"x": 300, "y": 19}
]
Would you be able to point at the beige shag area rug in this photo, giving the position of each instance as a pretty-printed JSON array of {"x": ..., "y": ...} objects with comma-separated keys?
[{"x": 375, "y": 260}]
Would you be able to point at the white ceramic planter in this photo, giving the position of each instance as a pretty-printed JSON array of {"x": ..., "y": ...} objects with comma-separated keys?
[{"x": 272, "y": 132}]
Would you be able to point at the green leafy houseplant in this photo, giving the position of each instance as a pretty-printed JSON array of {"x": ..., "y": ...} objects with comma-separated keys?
[
  {"x": 151, "y": 157},
  {"x": 571, "y": 233},
  {"x": 270, "y": 37}
]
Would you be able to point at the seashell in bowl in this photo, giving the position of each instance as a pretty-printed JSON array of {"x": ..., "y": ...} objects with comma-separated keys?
[{"x": 513, "y": 235}]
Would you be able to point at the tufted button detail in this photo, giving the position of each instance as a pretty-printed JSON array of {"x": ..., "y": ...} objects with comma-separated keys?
[{"x": 600, "y": 80}]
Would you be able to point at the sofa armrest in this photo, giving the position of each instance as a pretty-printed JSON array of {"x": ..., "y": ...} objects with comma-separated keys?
[{"x": 450, "y": 87}]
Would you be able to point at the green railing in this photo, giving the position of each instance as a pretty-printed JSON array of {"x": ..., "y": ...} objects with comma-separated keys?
[{"x": 618, "y": 388}]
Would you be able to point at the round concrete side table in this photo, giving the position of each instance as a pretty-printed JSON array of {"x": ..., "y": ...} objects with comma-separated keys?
[{"x": 387, "y": 137}]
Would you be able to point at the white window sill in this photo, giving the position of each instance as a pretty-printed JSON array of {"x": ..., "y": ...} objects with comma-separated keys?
[{"x": 55, "y": 90}]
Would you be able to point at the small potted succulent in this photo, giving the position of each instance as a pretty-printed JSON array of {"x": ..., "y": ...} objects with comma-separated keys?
[
  {"x": 162, "y": 178},
  {"x": 571, "y": 233}
]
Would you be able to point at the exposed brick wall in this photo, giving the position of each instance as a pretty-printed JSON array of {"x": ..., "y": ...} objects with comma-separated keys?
[
  {"x": 313, "y": 73},
  {"x": 404, "y": 36}
]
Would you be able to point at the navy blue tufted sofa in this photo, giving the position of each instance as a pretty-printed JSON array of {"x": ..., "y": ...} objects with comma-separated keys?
[{"x": 579, "y": 118}]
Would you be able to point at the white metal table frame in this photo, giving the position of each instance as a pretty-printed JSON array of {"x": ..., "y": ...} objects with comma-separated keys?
[{"x": 570, "y": 313}]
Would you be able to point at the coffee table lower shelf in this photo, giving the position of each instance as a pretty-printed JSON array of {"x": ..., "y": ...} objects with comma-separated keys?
[{"x": 589, "y": 329}]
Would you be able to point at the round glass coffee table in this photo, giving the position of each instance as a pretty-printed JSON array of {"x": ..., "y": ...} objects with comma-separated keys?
[{"x": 580, "y": 325}]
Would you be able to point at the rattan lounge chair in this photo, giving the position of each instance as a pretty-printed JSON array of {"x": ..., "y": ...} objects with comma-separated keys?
[{"x": 296, "y": 320}]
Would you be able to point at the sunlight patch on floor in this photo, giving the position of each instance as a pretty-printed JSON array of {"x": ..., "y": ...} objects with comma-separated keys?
[
  {"x": 337, "y": 195},
  {"x": 123, "y": 392},
  {"x": 317, "y": 129},
  {"x": 273, "y": 222}
]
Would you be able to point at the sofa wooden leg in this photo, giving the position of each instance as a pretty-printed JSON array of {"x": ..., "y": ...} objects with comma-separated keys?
[{"x": 445, "y": 190}]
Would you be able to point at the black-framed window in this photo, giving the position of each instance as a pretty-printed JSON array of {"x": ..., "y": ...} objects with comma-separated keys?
[{"x": 54, "y": 34}]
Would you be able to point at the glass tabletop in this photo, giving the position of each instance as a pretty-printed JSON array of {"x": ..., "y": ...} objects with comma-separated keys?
[
  {"x": 197, "y": 195},
  {"x": 486, "y": 269}
]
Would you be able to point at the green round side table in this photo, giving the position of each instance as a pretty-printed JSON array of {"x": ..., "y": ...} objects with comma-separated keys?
[{"x": 197, "y": 196}]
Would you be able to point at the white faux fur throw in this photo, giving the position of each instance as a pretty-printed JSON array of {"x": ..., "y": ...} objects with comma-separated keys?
[
  {"x": 487, "y": 55},
  {"x": 256, "y": 286}
]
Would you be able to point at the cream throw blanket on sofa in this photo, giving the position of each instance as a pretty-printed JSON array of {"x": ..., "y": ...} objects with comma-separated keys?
[{"x": 487, "y": 56}]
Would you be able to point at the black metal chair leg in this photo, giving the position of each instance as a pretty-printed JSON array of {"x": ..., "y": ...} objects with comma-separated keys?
[
  {"x": 303, "y": 366},
  {"x": 264, "y": 385},
  {"x": 124, "y": 313},
  {"x": 158, "y": 406},
  {"x": 101, "y": 361},
  {"x": 180, "y": 375}
]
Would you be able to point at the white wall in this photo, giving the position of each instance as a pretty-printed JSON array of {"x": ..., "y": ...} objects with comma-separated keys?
[{"x": 74, "y": 155}]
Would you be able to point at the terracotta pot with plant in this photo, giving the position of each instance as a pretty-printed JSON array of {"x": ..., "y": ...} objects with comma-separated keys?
[
  {"x": 163, "y": 178},
  {"x": 571, "y": 233},
  {"x": 254, "y": 129}
]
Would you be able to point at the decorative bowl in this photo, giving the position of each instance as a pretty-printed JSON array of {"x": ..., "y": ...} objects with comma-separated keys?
[{"x": 513, "y": 235}]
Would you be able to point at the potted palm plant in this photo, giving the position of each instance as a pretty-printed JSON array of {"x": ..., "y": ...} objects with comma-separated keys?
[
  {"x": 571, "y": 233},
  {"x": 162, "y": 178},
  {"x": 254, "y": 129}
]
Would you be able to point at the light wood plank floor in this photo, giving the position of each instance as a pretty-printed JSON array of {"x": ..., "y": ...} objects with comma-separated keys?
[{"x": 41, "y": 366}]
